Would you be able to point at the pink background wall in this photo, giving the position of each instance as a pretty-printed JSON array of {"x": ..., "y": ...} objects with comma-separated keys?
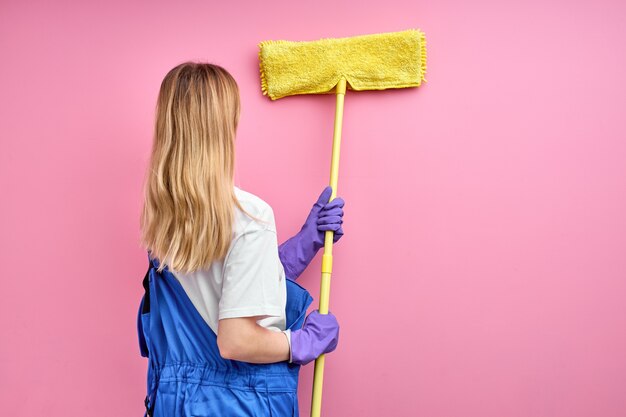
[{"x": 483, "y": 268}]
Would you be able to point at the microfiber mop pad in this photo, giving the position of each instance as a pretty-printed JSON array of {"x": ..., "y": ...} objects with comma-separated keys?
[{"x": 367, "y": 62}]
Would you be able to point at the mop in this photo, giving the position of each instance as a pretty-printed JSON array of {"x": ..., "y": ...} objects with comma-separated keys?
[{"x": 332, "y": 66}]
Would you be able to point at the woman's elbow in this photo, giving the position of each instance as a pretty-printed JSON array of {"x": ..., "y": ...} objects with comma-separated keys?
[
  {"x": 233, "y": 337},
  {"x": 227, "y": 352},
  {"x": 229, "y": 348}
]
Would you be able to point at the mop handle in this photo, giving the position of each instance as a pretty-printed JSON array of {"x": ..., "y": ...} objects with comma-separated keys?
[{"x": 327, "y": 257}]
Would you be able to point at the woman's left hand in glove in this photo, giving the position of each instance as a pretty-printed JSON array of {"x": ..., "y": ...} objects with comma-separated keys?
[{"x": 297, "y": 252}]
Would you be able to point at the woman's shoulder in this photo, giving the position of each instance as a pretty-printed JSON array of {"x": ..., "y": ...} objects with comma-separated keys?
[
  {"x": 252, "y": 202},
  {"x": 257, "y": 207}
]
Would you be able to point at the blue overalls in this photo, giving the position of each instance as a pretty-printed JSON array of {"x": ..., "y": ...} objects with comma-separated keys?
[{"x": 186, "y": 374}]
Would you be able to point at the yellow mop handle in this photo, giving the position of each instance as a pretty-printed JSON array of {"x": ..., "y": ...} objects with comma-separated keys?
[{"x": 327, "y": 257}]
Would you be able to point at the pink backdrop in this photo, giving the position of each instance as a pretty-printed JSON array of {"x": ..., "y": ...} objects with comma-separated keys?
[{"x": 483, "y": 268}]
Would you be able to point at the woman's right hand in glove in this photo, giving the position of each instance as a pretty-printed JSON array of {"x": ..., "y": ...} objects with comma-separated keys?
[{"x": 319, "y": 334}]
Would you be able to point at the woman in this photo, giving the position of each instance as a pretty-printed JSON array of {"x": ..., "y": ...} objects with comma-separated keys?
[{"x": 222, "y": 320}]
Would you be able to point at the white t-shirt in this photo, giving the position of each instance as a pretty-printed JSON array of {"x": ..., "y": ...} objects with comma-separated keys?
[{"x": 250, "y": 281}]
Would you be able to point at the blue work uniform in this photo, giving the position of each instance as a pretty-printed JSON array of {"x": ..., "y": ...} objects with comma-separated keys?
[{"x": 186, "y": 374}]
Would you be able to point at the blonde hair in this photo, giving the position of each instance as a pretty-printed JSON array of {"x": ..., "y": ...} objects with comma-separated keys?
[{"x": 189, "y": 198}]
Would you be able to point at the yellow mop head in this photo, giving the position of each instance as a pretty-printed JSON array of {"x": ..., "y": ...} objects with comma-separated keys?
[{"x": 367, "y": 62}]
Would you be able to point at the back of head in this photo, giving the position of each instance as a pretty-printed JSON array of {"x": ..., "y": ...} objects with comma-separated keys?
[{"x": 188, "y": 213}]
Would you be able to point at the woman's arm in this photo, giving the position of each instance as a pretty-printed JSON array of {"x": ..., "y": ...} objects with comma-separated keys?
[{"x": 242, "y": 339}]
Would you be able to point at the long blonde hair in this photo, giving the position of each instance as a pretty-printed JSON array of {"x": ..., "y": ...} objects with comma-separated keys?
[{"x": 188, "y": 213}]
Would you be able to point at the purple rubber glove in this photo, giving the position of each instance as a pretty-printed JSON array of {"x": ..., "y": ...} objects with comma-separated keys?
[
  {"x": 297, "y": 252},
  {"x": 319, "y": 334}
]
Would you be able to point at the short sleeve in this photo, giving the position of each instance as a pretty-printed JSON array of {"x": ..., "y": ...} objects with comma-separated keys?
[{"x": 251, "y": 280}]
